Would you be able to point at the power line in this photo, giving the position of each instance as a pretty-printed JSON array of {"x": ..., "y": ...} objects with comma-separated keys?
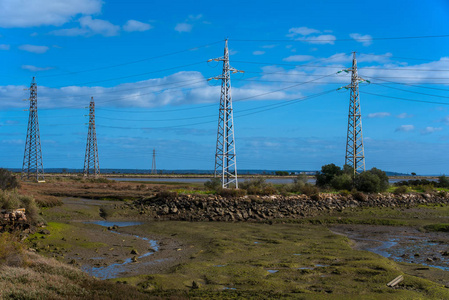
[
  {"x": 134, "y": 62},
  {"x": 405, "y": 99}
]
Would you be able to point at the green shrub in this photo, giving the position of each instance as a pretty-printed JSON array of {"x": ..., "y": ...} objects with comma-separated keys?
[
  {"x": 327, "y": 173},
  {"x": 310, "y": 190},
  {"x": 443, "y": 181},
  {"x": 12, "y": 200},
  {"x": 342, "y": 182},
  {"x": 372, "y": 181},
  {"x": 7, "y": 180},
  {"x": 213, "y": 184},
  {"x": 359, "y": 196},
  {"x": 400, "y": 190}
]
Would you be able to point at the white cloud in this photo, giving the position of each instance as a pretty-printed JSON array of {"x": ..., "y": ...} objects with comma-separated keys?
[
  {"x": 405, "y": 128},
  {"x": 97, "y": 26},
  {"x": 29, "y": 13},
  {"x": 34, "y": 48},
  {"x": 378, "y": 115},
  {"x": 34, "y": 68},
  {"x": 133, "y": 25},
  {"x": 269, "y": 46},
  {"x": 311, "y": 36},
  {"x": 301, "y": 31},
  {"x": 195, "y": 17},
  {"x": 298, "y": 58},
  {"x": 89, "y": 27},
  {"x": 258, "y": 52},
  {"x": 429, "y": 130},
  {"x": 4, "y": 47},
  {"x": 403, "y": 116},
  {"x": 366, "y": 39},
  {"x": 183, "y": 27}
]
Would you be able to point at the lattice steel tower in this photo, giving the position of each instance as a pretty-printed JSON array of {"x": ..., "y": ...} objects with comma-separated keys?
[
  {"x": 355, "y": 153},
  {"x": 225, "y": 158},
  {"x": 153, "y": 164},
  {"x": 91, "y": 163},
  {"x": 32, "y": 159}
]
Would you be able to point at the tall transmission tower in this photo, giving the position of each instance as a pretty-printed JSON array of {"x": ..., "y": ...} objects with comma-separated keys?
[
  {"x": 355, "y": 153},
  {"x": 32, "y": 158},
  {"x": 225, "y": 157},
  {"x": 91, "y": 162},
  {"x": 153, "y": 165}
]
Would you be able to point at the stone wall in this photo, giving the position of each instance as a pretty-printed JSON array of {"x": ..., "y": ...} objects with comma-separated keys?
[{"x": 258, "y": 208}]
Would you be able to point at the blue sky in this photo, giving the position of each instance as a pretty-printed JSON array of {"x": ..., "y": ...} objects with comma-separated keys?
[{"x": 145, "y": 64}]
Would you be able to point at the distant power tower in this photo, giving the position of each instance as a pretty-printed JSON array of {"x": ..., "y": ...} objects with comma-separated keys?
[
  {"x": 225, "y": 158},
  {"x": 153, "y": 165},
  {"x": 91, "y": 162},
  {"x": 355, "y": 153},
  {"x": 32, "y": 159}
]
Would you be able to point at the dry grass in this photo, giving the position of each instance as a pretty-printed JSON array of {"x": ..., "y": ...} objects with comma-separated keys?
[{"x": 26, "y": 275}]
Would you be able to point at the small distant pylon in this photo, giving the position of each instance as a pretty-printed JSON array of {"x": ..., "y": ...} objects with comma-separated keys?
[
  {"x": 91, "y": 162},
  {"x": 32, "y": 158},
  {"x": 153, "y": 165},
  {"x": 355, "y": 153},
  {"x": 225, "y": 157}
]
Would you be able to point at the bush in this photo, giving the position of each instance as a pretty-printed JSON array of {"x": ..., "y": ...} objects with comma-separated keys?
[
  {"x": 7, "y": 180},
  {"x": 443, "y": 181},
  {"x": 372, "y": 181},
  {"x": 342, "y": 182},
  {"x": 167, "y": 195},
  {"x": 12, "y": 200},
  {"x": 359, "y": 196},
  {"x": 213, "y": 184},
  {"x": 310, "y": 190},
  {"x": 400, "y": 190},
  {"x": 327, "y": 173},
  {"x": 258, "y": 186},
  {"x": 10, "y": 250}
]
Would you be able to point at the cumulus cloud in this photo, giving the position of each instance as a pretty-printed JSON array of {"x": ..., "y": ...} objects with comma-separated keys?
[
  {"x": 4, "y": 47},
  {"x": 404, "y": 115},
  {"x": 35, "y": 69},
  {"x": 187, "y": 25},
  {"x": 89, "y": 27},
  {"x": 405, "y": 128},
  {"x": 378, "y": 115},
  {"x": 366, "y": 39},
  {"x": 298, "y": 58},
  {"x": 311, "y": 36},
  {"x": 183, "y": 27},
  {"x": 29, "y": 13},
  {"x": 258, "y": 52},
  {"x": 133, "y": 25},
  {"x": 34, "y": 48},
  {"x": 429, "y": 130}
]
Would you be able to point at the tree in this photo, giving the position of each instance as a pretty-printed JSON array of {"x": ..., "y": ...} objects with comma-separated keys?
[
  {"x": 327, "y": 173},
  {"x": 413, "y": 174}
]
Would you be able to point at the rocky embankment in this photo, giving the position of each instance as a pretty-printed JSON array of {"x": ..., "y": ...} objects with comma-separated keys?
[{"x": 258, "y": 208}]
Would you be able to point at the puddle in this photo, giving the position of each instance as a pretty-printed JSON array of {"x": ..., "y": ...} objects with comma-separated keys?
[
  {"x": 219, "y": 266},
  {"x": 105, "y": 223},
  {"x": 402, "y": 245},
  {"x": 321, "y": 266},
  {"x": 256, "y": 242},
  {"x": 228, "y": 288},
  {"x": 297, "y": 254},
  {"x": 306, "y": 268},
  {"x": 272, "y": 271},
  {"x": 114, "y": 270}
]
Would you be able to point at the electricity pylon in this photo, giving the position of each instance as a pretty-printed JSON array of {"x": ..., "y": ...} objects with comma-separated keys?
[
  {"x": 153, "y": 164},
  {"x": 32, "y": 158},
  {"x": 225, "y": 158},
  {"x": 355, "y": 153},
  {"x": 91, "y": 162}
]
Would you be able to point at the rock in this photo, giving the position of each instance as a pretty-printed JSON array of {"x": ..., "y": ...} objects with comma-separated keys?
[
  {"x": 44, "y": 231},
  {"x": 134, "y": 251},
  {"x": 134, "y": 259},
  {"x": 195, "y": 285}
]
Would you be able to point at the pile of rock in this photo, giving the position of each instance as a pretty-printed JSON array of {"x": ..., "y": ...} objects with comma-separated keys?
[
  {"x": 13, "y": 215},
  {"x": 258, "y": 208}
]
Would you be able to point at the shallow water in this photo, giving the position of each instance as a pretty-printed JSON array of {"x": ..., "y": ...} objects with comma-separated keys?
[
  {"x": 114, "y": 270},
  {"x": 413, "y": 247}
]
